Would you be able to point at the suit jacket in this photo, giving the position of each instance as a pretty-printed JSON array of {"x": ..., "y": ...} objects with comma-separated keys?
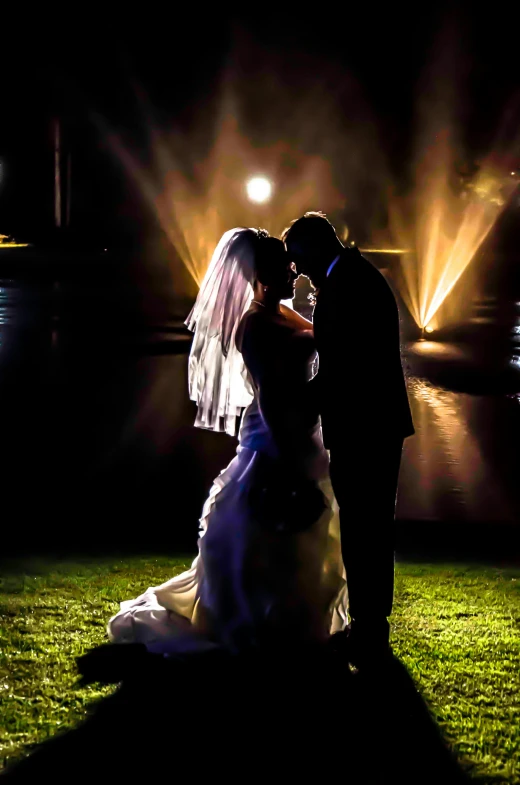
[{"x": 360, "y": 382}]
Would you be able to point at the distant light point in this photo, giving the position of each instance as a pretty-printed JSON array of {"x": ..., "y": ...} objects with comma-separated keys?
[{"x": 259, "y": 189}]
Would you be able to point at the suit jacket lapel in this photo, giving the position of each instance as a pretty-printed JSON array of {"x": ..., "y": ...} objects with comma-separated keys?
[{"x": 321, "y": 314}]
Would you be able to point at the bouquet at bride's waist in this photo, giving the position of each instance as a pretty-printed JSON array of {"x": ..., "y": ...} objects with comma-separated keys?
[{"x": 284, "y": 498}]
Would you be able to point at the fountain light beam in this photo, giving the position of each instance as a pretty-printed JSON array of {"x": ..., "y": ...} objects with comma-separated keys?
[
  {"x": 472, "y": 233},
  {"x": 450, "y": 230}
]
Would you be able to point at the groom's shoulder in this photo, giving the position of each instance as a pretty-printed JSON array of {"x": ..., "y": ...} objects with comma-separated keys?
[
  {"x": 355, "y": 258},
  {"x": 363, "y": 266},
  {"x": 352, "y": 264},
  {"x": 360, "y": 274}
]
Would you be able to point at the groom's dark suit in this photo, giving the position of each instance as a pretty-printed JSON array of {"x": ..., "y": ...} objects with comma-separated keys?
[{"x": 365, "y": 418}]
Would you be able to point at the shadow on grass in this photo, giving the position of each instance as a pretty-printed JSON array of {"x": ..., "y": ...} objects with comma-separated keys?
[{"x": 279, "y": 717}]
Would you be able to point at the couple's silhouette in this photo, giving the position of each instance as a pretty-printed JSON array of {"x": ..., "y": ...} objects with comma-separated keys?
[
  {"x": 269, "y": 580},
  {"x": 278, "y": 563}
]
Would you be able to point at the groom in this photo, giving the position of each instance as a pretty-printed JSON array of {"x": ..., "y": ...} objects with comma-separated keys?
[{"x": 365, "y": 416}]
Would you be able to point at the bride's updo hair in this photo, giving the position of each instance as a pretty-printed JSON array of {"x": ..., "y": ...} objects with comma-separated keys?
[{"x": 269, "y": 255}]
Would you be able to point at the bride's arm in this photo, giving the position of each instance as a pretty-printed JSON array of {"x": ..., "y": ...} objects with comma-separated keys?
[
  {"x": 296, "y": 319},
  {"x": 266, "y": 360}
]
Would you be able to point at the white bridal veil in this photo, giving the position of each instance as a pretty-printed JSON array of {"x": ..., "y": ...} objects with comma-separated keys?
[{"x": 217, "y": 379}]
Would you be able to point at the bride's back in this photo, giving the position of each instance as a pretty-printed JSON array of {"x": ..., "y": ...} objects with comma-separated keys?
[{"x": 280, "y": 361}]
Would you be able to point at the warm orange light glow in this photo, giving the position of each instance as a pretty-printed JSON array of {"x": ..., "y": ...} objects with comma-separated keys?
[
  {"x": 7, "y": 242},
  {"x": 446, "y": 228},
  {"x": 196, "y": 204},
  {"x": 196, "y": 211},
  {"x": 385, "y": 250},
  {"x": 429, "y": 328}
]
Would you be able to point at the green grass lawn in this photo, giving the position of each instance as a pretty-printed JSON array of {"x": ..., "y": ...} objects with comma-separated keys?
[{"x": 455, "y": 628}]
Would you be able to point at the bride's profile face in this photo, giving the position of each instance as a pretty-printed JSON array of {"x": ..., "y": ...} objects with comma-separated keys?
[
  {"x": 278, "y": 272},
  {"x": 293, "y": 277},
  {"x": 284, "y": 280}
]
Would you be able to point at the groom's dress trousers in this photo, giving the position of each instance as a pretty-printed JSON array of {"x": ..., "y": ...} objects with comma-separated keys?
[{"x": 365, "y": 418}]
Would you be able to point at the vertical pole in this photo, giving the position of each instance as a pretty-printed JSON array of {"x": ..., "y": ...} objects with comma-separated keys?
[
  {"x": 69, "y": 181},
  {"x": 57, "y": 176}
]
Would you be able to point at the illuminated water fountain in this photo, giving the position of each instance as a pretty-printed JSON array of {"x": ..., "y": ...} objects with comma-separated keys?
[
  {"x": 199, "y": 191},
  {"x": 197, "y": 198},
  {"x": 446, "y": 221}
]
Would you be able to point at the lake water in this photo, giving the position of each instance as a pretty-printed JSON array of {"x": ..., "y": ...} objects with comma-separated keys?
[{"x": 97, "y": 439}]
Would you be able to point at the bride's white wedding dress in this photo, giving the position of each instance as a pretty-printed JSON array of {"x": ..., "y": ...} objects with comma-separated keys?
[{"x": 253, "y": 582}]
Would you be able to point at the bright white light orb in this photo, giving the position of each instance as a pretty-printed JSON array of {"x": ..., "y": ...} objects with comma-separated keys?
[
  {"x": 429, "y": 328},
  {"x": 259, "y": 189}
]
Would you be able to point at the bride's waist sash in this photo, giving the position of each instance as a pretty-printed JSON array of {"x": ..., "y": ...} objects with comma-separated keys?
[{"x": 256, "y": 435}]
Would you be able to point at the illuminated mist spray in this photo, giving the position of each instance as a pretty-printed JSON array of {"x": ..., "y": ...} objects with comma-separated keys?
[
  {"x": 199, "y": 190},
  {"x": 452, "y": 207},
  {"x": 260, "y": 153},
  {"x": 225, "y": 191},
  {"x": 197, "y": 198},
  {"x": 448, "y": 227}
]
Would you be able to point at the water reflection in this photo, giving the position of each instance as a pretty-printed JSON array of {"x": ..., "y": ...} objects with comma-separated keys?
[
  {"x": 97, "y": 424},
  {"x": 460, "y": 465},
  {"x": 447, "y": 471},
  {"x": 441, "y": 351},
  {"x": 515, "y": 357}
]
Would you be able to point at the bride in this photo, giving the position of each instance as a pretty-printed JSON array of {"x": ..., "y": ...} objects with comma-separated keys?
[{"x": 269, "y": 569}]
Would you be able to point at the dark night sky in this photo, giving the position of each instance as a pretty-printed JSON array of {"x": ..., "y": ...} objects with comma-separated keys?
[{"x": 92, "y": 64}]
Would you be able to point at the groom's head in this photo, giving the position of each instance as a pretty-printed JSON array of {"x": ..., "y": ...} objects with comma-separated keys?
[{"x": 312, "y": 243}]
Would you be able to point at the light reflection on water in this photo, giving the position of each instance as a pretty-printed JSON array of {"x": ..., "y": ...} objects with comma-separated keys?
[
  {"x": 448, "y": 471},
  {"x": 460, "y": 465}
]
